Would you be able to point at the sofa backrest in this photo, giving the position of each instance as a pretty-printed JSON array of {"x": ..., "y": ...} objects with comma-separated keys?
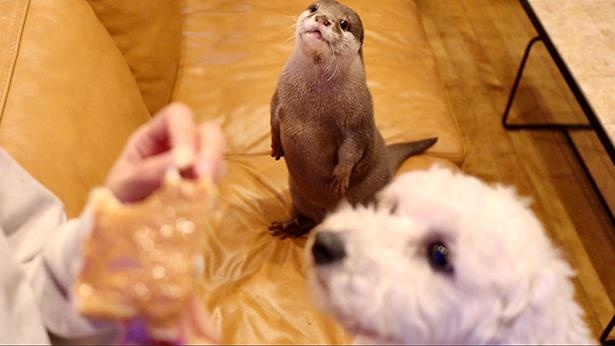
[
  {"x": 68, "y": 100},
  {"x": 148, "y": 33},
  {"x": 234, "y": 50}
]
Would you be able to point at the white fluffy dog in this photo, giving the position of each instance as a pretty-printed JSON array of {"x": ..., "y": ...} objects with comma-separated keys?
[{"x": 442, "y": 258}]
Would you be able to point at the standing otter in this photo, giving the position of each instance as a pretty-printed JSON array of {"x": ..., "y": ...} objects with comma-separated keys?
[{"x": 322, "y": 120}]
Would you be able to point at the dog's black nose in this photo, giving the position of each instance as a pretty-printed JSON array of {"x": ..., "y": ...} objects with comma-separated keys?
[{"x": 328, "y": 248}]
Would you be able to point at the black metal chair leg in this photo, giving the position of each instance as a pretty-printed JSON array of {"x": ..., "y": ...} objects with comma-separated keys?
[
  {"x": 513, "y": 93},
  {"x": 515, "y": 86},
  {"x": 604, "y": 338}
]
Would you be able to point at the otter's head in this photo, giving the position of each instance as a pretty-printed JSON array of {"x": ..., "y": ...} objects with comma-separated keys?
[{"x": 329, "y": 30}]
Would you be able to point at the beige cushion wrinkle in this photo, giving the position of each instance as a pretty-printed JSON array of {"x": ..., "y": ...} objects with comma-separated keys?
[{"x": 148, "y": 33}]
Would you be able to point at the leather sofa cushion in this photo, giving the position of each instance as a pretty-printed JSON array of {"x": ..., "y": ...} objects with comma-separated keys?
[
  {"x": 234, "y": 51},
  {"x": 71, "y": 100},
  {"x": 148, "y": 32},
  {"x": 255, "y": 284}
]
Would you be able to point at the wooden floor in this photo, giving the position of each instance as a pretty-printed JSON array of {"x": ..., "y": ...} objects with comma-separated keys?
[{"x": 478, "y": 46}]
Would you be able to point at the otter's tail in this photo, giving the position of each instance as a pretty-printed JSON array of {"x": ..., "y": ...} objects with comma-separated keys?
[{"x": 399, "y": 152}]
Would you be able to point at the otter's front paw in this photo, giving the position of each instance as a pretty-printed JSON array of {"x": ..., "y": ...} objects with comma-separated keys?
[
  {"x": 276, "y": 151},
  {"x": 341, "y": 181}
]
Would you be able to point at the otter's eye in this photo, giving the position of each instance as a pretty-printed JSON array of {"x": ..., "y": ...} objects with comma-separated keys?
[
  {"x": 344, "y": 24},
  {"x": 313, "y": 8},
  {"x": 438, "y": 256}
]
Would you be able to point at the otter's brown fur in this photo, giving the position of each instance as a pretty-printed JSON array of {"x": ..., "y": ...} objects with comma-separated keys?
[{"x": 322, "y": 120}]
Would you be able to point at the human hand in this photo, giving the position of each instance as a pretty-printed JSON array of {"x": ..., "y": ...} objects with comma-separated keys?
[
  {"x": 196, "y": 325},
  {"x": 195, "y": 329},
  {"x": 170, "y": 140}
]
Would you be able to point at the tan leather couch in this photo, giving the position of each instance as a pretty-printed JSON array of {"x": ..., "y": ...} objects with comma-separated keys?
[{"x": 77, "y": 77}]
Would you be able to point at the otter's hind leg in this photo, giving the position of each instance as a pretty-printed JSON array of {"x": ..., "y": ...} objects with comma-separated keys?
[
  {"x": 294, "y": 228},
  {"x": 307, "y": 216}
]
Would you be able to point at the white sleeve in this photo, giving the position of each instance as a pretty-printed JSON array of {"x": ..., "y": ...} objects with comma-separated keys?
[
  {"x": 52, "y": 277},
  {"x": 46, "y": 249}
]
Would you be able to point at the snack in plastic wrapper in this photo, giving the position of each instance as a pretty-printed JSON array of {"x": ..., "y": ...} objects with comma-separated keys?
[{"x": 143, "y": 260}]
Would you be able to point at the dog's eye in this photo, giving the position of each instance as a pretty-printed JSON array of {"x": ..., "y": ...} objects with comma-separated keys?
[
  {"x": 313, "y": 8},
  {"x": 439, "y": 256},
  {"x": 344, "y": 24}
]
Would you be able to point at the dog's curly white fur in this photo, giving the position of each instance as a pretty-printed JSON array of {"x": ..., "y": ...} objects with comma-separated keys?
[{"x": 507, "y": 283}]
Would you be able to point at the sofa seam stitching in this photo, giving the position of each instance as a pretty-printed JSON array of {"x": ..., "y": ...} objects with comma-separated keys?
[{"x": 14, "y": 47}]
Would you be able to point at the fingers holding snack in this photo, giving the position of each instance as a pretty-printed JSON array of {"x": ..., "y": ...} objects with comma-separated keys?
[
  {"x": 209, "y": 159},
  {"x": 196, "y": 325},
  {"x": 196, "y": 329},
  {"x": 172, "y": 128},
  {"x": 170, "y": 140}
]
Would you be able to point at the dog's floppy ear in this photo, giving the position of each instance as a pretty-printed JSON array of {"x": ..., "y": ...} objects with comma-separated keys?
[
  {"x": 534, "y": 291},
  {"x": 543, "y": 287},
  {"x": 517, "y": 300},
  {"x": 552, "y": 275}
]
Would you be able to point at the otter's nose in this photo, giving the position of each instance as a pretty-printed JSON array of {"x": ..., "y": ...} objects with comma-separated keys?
[
  {"x": 322, "y": 19},
  {"x": 328, "y": 248}
]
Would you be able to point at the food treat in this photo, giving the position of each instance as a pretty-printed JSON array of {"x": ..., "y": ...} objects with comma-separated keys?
[{"x": 143, "y": 260}]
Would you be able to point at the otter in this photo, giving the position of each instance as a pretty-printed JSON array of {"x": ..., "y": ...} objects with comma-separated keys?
[{"x": 322, "y": 120}]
